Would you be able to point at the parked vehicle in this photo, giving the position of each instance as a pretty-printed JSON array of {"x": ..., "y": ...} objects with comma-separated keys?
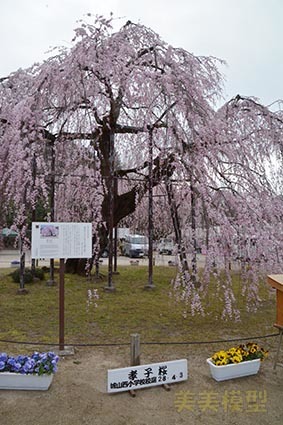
[
  {"x": 135, "y": 246},
  {"x": 166, "y": 246}
]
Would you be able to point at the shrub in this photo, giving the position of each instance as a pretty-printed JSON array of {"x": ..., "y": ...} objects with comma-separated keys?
[
  {"x": 28, "y": 277},
  {"x": 39, "y": 273}
]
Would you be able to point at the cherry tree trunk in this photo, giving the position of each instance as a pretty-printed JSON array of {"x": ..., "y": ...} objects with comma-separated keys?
[{"x": 177, "y": 226}]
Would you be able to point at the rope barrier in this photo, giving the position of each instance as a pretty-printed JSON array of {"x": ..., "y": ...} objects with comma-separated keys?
[{"x": 217, "y": 341}]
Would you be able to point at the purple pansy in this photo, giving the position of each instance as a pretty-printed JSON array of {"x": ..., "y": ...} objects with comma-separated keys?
[{"x": 37, "y": 363}]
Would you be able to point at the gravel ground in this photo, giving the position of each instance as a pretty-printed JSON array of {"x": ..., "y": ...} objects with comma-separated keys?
[
  {"x": 6, "y": 256},
  {"x": 78, "y": 394}
]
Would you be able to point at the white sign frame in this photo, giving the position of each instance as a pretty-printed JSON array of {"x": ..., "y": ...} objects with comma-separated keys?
[
  {"x": 61, "y": 240},
  {"x": 149, "y": 375}
]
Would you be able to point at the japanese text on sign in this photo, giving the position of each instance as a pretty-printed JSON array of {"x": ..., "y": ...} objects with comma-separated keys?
[{"x": 137, "y": 377}]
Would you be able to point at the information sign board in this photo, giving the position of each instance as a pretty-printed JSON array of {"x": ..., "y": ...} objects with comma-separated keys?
[{"x": 61, "y": 240}]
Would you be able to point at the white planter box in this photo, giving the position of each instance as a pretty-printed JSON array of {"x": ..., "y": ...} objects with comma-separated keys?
[
  {"x": 235, "y": 370},
  {"x": 17, "y": 381}
]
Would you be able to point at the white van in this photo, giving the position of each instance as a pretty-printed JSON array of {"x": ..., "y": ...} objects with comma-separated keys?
[
  {"x": 135, "y": 246},
  {"x": 166, "y": 246}
]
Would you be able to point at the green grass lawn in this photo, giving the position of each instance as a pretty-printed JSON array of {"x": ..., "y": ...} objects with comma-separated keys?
[{"x": 154, "y": 314}]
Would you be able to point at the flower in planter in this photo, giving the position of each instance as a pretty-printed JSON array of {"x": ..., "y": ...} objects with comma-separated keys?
[
  {"x": 241, "y": 353},
  {"x": 37, "y": 363}
]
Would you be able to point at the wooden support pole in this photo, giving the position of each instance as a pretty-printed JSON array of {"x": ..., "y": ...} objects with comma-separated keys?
[
  {"x": 166, "y": 387},
  {"x": 150, "y": 284},
  {"x": 62, "y": 305},
  {"x": 276, "y": 362}
]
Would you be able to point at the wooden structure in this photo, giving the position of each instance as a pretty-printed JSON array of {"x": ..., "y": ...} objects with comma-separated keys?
[{"x": 276, "y": 282}]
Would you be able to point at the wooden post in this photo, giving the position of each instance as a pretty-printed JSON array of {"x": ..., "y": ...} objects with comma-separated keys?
[
  {"x": 110, "y": 187},
  {"x": 51, "y": 281},
  {"x": 22, "y": 290},
  {"x": 166, "y": 387},
  {"x": 62, "y": 305},
  {"x": 150, "y": 284},
  {"x": 135, "y": 350},
  {"x": 115, "y": 246},
  {"x": 135, "y": 355}
]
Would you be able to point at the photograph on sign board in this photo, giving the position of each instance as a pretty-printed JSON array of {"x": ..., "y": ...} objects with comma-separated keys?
[{"x": 49, "y": 230}]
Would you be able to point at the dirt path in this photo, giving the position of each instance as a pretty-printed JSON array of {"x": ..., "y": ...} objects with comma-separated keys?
[{"x": 78, "y": 394}]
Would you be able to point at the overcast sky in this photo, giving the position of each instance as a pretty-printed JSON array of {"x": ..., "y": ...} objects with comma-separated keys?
[{"x": 247, "y": 34}]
